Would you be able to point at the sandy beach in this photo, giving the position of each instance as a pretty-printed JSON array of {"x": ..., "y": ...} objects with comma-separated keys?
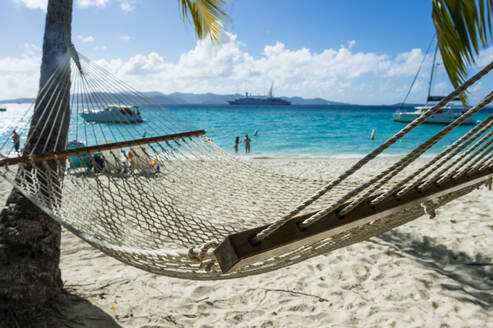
[{"x": 429, "y": 273}]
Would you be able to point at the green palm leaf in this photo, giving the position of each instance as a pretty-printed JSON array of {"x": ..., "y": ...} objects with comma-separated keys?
[
  {"x": 462, "y": 26},
  {"x": 207, "y": 16}
]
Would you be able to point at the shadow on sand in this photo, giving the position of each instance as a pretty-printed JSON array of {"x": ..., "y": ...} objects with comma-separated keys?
[
  {"x": 78, "y": 312},
  {"x": 65, "y": 310},
  {"x": 472, "y": 276}
]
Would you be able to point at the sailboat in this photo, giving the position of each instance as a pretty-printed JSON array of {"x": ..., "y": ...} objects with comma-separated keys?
[
  {"x": 270, "y": 100},
  {"x": 447, "y": 114}
]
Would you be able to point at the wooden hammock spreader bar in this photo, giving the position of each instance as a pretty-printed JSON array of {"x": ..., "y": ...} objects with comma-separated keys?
[
  {"x": 237, "y": 251},
  {"x": 26, "y": 159}
]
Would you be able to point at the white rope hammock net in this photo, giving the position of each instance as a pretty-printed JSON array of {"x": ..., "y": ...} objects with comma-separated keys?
[{"x": 163, "y": 204}]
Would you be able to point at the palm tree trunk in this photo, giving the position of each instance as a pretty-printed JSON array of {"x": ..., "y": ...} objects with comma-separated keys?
[{"x": 29, "y": 239}]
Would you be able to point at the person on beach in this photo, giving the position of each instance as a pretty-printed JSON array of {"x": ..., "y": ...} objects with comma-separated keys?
[
  {"x": 98, "y": 162},
  {"x": 155, "y": 164},
  {"x": 131, "y": 159},
  {"x": 247, "y": 144},
  {"x": 124, "y": 162},
  {"x": 17, "y": 140},
  {"x": 237, "y": 142}
]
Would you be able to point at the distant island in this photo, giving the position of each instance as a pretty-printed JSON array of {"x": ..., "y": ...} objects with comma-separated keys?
[{"x": 178, "y": 98}]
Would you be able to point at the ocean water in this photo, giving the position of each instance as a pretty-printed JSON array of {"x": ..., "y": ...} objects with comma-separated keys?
[
  {"x": 311, "y": 131},
  {"x": 291, "y": 131}
]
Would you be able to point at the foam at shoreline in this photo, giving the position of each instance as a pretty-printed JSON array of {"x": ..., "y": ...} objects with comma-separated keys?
[{"x": 326, "y": 157}]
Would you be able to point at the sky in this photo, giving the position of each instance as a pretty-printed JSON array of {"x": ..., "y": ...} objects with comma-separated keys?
[{"x": 354, "y": 51}]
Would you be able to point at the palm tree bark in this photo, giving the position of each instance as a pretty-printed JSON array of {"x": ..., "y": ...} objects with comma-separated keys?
[{"x": 29, "y": 239}]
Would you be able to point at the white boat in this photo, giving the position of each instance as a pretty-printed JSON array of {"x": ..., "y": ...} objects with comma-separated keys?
[
  {"x": 113, "y": 114},
  {"x": 445, "y": 115}
]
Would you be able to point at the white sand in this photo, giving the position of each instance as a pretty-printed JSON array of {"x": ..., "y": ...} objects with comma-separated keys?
[{"x": 428, "y": 273}]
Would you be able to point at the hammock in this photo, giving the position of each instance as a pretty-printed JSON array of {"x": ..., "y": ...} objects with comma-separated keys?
[{"x": 161, "y": 196}]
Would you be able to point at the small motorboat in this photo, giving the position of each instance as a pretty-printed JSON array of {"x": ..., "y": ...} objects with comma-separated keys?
[
  {"x": 3, "y": 109},
  {"x": 122, "y": 114}
]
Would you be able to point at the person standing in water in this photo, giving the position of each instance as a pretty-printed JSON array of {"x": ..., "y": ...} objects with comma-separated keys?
[
  {"x": 237, "y": 142},
  {"x": 247, "y": 144},
  {"x": 17, "y": 140}
]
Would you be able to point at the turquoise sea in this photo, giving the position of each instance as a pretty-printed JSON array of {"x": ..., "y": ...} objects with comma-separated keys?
[
  {"x": 294, "y": 131},
  {"x": 311, "y": 131}
]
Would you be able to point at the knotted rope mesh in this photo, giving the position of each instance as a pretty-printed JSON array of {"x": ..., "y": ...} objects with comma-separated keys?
[{"x": 153, "y": 191}]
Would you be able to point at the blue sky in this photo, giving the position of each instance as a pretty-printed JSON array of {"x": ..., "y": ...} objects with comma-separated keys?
[{"x": 364, "y": 52}]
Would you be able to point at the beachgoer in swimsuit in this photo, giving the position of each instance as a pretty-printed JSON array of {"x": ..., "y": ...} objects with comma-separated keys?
[
  {"x": 123, "y": 160},
  {"x": 131, "y": 158},
  {"x": 247, "y": 144},
  {"x": 237, "y": 142},
  {"x": 17, "y": 140},
  {"x": 99, "y": 162}
]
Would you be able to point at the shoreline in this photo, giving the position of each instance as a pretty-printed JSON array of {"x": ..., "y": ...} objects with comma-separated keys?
[{"x": 328, "y": 157}]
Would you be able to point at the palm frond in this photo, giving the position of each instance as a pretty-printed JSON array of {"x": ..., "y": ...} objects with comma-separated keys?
[
  {"x": 207, "y": 16},
  {"x": 462, "y": 26}
]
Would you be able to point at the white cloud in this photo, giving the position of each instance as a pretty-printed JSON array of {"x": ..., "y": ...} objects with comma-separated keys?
[
  {"x": 31, "y": 50},
  {"x": 91, "y": 3},
  {"x": 42, "y": 4},
  {"x": 20, "y": 74},
  {"x": 405, "y": 63},
  {"x": 127, "y": 5},
  {"x": 125, "y": 37},
  {"x": 85, "y": 39},
  {"x": 335, "y": 74},
  {"x": 33, "y": 4},
  {"x": 485, "y": 57}
]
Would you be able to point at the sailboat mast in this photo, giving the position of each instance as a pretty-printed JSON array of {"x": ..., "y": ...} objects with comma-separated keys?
[
  {"x": 432, "y": 71},
  {"x": 270, "y": 90}
]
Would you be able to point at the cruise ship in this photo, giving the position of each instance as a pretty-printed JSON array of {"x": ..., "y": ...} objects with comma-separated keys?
[{"x": 269, "y": 100}]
